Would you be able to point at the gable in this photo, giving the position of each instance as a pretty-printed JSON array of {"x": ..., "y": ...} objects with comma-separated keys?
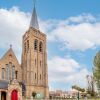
[{"x": 9, "y": 56}]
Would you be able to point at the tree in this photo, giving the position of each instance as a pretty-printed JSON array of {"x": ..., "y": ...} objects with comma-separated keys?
[
  {"x": 96, "y": 70},
  {"x": 33, "y": 94},
  {"x": 90, "y": 89},
  {"x": 78, "y": 88}
]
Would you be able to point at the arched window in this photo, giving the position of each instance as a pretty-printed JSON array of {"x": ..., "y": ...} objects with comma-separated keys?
[
  {"x": 27, "y": 45},
  {"x": 35, "y": 75},
  {"x": 13, "y": 72},
  {"x": 7, "y": 71},
  {"x": 41, "y": 47},
  {"x": 40, "y": 63},
  {"x": 3, "y": 73},
  {"x": 10, "y": 66},
  {"x": 16, "y": 74},
  {"x": 35, "y": 44}
]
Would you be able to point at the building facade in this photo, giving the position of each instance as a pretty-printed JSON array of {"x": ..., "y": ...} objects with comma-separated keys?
[
  {"x": 72, "y": 94},
  {"x": 30, "y": 78}
]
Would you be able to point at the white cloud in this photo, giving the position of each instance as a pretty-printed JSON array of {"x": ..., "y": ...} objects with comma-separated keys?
[
  {"x": 67, "y": 71},
  {"x": 82, "y": 18},
  {"x": 78, "y": 37},
  {"x": 63, "y": 65},
  {"x": 78, "y": 77},
  {"x": 77, "y": 33},
  {"x": 13, "y": 24}
]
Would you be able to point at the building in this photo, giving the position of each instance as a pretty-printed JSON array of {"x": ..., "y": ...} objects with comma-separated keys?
[
  {"x": 30, "y": 78},
  {"x": 60, "y": 94}
]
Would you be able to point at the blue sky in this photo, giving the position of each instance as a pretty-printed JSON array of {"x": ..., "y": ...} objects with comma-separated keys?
[
  {"x": 72, "y": 28},
  {"x": 57, "y": 9}
]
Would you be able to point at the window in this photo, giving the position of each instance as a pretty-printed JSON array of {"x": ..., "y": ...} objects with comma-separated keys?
[
  {"x": 3, "y": 73},
  {"x": 40, "y": 63},
  {"x": 41, "y": 47},
  {"x": 13, "y": 72},
  {"x": 35, "y": 75},
  {"x": 27, "y": 44},
  {"x": 7, "y": 71},
  {"x": 10, "y": 55},
  {"x": 10, "y": 66},
  {"x": 35, "y": 44},
  {"x": 16, "y": 73},
  {"x": 25, "y": 47}
]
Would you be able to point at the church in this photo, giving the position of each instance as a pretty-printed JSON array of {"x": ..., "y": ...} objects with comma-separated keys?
[{"x": 30, "y": 78}]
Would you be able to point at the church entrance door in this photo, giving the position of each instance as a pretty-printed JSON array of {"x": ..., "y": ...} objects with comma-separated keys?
[
  {"x": 3, "y": 95},
  {"x": 14, "y": 95}
]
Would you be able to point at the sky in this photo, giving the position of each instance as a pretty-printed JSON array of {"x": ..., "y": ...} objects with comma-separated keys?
[{"x": 73, "y": 36}]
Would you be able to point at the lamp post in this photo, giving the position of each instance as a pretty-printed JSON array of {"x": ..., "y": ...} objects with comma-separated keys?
[{"x": 78, "y": 96}]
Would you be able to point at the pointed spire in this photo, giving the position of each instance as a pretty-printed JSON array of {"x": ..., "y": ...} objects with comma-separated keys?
[{"x": 34, "y": 20}]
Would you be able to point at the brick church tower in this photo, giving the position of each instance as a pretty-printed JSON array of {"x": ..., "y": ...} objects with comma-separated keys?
[{"x": 34, "y": 60}]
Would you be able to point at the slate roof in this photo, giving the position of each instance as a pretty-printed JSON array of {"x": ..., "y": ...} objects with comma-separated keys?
[
  {"x": 34, "y": 20},
  {"x": 3, "y": 84}
]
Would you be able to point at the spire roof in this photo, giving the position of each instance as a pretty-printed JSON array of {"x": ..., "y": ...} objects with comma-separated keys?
[{"x": 34, "y": 20}]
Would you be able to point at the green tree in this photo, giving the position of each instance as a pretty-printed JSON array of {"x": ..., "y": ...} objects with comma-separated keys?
[
  {"x": 33, "y": 94},
  {"x": 78, "y": 88},
  {"x": 96, "y": 70}
]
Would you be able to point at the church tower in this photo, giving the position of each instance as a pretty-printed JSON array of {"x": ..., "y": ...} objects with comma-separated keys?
[{"x": 34, "y": 60}]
